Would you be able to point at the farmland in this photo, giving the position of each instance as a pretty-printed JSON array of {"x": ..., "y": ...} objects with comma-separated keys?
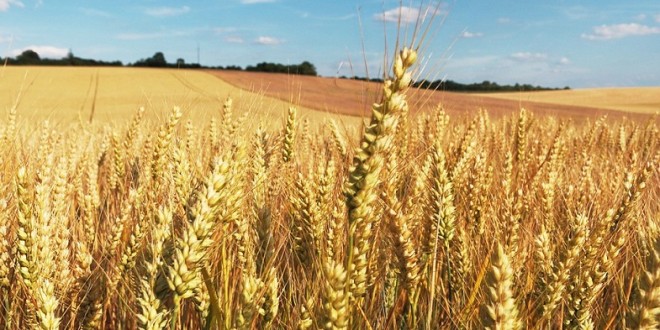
[
  {"x": 153, "y": 199},
  {"x": 631, "y": 99},
  {"x": 354, "y": 97},
  {"x": 114, "y": 94}
]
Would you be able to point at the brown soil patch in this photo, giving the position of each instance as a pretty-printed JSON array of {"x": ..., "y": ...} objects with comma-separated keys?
[{"x": 352, "y": 97}]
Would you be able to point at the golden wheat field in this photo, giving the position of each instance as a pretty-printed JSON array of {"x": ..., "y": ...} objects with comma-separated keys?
[
  {"x": 212, "y": 215},
  {"x": 84, "y": 94},
  {"x": 632, "y": 99}
]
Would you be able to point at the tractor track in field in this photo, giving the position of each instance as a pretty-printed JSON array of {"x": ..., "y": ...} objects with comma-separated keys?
[
  {"x": 95, "y": 82},
  {"x": 186, "y": 83},
  {"x": 17, "y": 102}
]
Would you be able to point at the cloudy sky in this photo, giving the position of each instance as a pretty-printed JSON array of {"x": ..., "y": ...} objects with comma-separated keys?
[{"x": 552, "y": 43}]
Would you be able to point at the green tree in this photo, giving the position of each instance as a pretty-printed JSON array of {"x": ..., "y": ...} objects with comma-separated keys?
[
  {"x": 158, "y": 60},
  {"x": 307, "y": 68},
  {"x": 28, "y": 56}
]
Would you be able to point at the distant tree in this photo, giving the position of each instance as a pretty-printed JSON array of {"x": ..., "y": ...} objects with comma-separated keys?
[
  {"x": 306, "y": 68},
  {"x": 158, "y": 60},
  {"x": 70, "y": 59},
  {"x": 180, "y": 63},
  {"x": 28, "y": 57}
]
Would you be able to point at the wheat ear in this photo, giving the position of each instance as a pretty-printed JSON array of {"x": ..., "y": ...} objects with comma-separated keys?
[
  {"x": 367, "y": 163},
  {"x": 500, "y": 311}
]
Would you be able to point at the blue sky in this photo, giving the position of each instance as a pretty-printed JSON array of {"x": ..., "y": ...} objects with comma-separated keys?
[{"x": 550, "y": 43}]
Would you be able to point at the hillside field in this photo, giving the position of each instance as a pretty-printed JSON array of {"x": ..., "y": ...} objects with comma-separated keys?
[
  {"x": 354, "y": 97},
  {"x": 113, "y": 94},
  {"x": 66, "y": 94}
]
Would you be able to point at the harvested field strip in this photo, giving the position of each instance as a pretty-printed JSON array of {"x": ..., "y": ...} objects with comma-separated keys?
[{"x": 353, "y": 97}]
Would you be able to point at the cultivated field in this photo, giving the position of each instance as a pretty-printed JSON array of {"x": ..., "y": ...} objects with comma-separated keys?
[
  {"x": 354, "y": 97},
  {"x": 644, "y": 100},
  {"x": 217, "y": 216},
  {"x": 65, "y": 95}
]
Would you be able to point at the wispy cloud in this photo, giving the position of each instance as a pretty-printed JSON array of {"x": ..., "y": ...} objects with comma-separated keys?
[
  {"x": 234, "y": 40},
  {"x": 5, "y": 38},
  {"x": 657, "y": 18},
  {"x": 224, "y": 29},
  {"x": 265, "y": 40},
  {"x": 251, "y": 2},
  {"x": 95, "y": 12},
  {"x": 577, "y": 12},
  {"x": 327, "y": 18},
  {"x": 471, "y": 62},
  {"x": 406, "y": 14},
  {"x": 529, "y": 57},
  {"x": 538, "y": 58},
  {"x": 152, "y": 35},
  {"x": 44, "y": 51},
  {"x": 5, "y": 4},
  {"x": 640, "y": 17},
  {"x": 167, "y": 11},
  {"x": 617, "y": 31},
  {"x": 469, "y": 35},
  {"x": 504, "y": 20}
]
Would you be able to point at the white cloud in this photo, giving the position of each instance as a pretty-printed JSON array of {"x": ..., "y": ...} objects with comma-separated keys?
[
  {"x": 167, "y": 11},
  {"x": 616, "y": 31},
  {"x": 657, "y": 18},
  {"x": 407, "y": 14},
  {"x": 251, "y": 2},
  {"x": 5, "y": 4},
  {"x": 529, "y": 57},
  {"x": 503, "y": 20},
  {"x": 264, "y": 40},
  {"x": 640, "y": 17},
  {"x": 234, "y": 40},
  {"x": 564, "y": 60},
  {"x": 468, "y": 34},
  {"x": 43, "y": 51}
]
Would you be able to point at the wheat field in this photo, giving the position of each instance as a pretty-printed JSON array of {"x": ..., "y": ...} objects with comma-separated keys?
[
  {"x": 643, "y": 100},
  {"x": 110, "y": 95},
  {"x": 420, "y": 221}
]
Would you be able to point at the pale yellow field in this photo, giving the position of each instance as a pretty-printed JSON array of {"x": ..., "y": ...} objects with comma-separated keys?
[
  {"x": 64, "y": 95},
  {"x": 637, "y": 99}
]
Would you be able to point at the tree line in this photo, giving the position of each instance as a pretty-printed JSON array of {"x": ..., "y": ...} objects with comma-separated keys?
[
  {"x": 481, "y": 87},
  {"x": 304, "y": 68},
  {"x": 30, "y": 57},
  {"x": 484, "y": 86}
]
